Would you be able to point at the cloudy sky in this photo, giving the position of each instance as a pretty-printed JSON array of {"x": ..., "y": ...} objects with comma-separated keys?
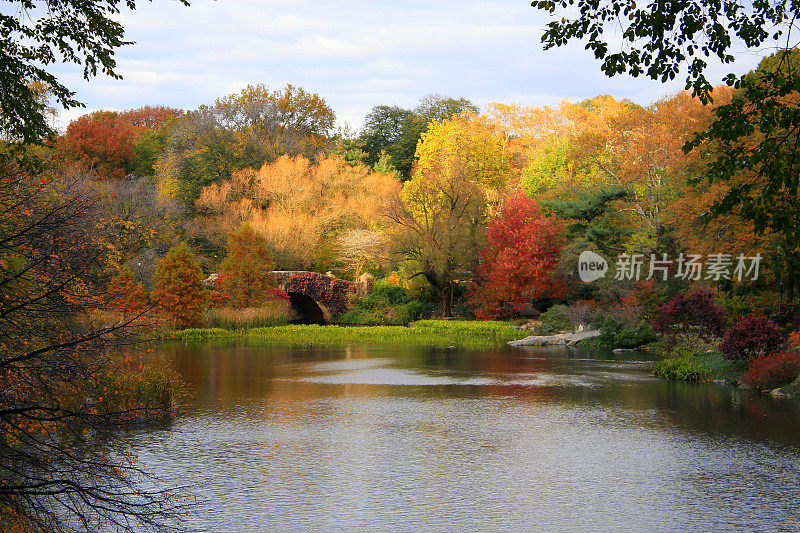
[{"x": 355, "y": 54}]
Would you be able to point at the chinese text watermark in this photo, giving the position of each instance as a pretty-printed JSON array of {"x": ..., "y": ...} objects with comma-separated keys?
[{"x": 689, "y": 267}]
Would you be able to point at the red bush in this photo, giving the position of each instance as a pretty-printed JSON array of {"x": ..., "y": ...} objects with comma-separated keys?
[
  {"x": 773, "y": 370},
  {"x": 794, "y": 340},
  {"x": 694, "y": 313},
  {"x": 751, "y": 337}
]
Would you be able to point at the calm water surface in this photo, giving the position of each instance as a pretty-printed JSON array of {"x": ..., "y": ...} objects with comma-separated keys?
[{"x": 515, "y": 440}]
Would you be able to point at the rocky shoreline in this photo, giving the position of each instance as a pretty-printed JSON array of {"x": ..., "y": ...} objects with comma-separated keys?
[{"x": 561, "y": 339}]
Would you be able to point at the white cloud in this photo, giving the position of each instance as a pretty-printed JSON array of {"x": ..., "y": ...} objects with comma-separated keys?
[{"x": 355, "y": 53}]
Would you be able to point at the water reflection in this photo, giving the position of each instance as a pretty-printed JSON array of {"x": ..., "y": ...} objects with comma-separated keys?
[{"x": 439, "y": 439}]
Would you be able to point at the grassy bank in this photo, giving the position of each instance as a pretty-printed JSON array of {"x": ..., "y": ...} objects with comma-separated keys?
[
  {"x": 440, "y": 333},
  {"x": 682, "y": 364}
]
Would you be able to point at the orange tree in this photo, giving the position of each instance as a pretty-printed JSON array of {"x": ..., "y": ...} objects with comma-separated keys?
[
  {"x": 246, "y": 273},
  {"x": 125, "y": 295},
  {"x": 178, "y": 287}
]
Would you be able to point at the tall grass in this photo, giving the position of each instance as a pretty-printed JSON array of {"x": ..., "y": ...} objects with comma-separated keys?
[
  {"x": 272, "y": 313},
  {"x": 441, "y": 333},
  {"x": 146, "y": 391}
]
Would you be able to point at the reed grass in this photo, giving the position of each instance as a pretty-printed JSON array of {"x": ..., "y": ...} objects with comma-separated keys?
[{"x": 272, "y": 313}]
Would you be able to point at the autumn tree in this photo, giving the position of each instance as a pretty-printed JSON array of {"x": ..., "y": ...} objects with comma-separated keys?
[
  {"x": 298, "y": 205},
  {"x": 753, "y": 140},
  {"x": 241, "y": 130},
  {"x": 125, "y": 294},
  {"x": 463, "y": 146},
  {"x": 395, "y": 131},
  {"x": 179, "y": 290},
  {"x": 437, "y": 221},
  {"x": 753, "y": 150},
  {"x": 150, "y": 117},
  {"x": 102, "y": 142},
  {"x": 246, "y": 273},
  {"x": 518, "y": 261},
  {"x": 436, "y": 226},
  {"x": 113, "y": 144},
  {"x": 355, "y": 249},
  {"x": 136, "y": 223},
  {"x": 57, "y": 469}
]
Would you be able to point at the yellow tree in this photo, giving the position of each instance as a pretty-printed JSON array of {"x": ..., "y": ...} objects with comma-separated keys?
[
  {"x": 298, "y": 205},
  {"x": 613, "y": 142},
  {"x": 464, "y": 147},
  {"x": 437, "y": 220}
]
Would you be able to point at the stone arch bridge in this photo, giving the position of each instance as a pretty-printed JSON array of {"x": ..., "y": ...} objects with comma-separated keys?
[{"x": 316, "y": 297}]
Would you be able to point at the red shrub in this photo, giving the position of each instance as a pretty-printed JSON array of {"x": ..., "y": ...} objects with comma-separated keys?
[
  {"x": 694, "y": 313},
  {"x": 280, "y": 294},
  {"x": 794, "y": 340},
  {"x": 751, "y": 337},
  {"x": 773, "y": 370}
]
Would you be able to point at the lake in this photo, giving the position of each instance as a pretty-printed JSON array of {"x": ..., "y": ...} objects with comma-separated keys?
[{"x": 515, "y": 439}]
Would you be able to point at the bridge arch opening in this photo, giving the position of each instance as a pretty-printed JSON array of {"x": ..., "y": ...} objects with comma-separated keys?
[{"x": 307, "y": 309}]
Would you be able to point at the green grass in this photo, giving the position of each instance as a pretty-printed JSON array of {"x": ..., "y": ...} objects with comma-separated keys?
[
  {"x": 441, "y": 333},
  {"x": 683, "y": 365},
  {"x": 680, "y": 369},
  {"x": 720, "y": 367}
]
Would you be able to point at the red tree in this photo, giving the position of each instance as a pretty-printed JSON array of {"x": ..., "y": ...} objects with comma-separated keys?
[
  {"x": 517, "y": 263},
  {"x": 102, "y": 142},
  {"x": 149, "y": 117}
]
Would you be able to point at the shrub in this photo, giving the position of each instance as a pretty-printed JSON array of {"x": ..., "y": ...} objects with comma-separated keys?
[
  {"x": 386, "y": 304},
  {"x": 555, "y": 320},
  {"x": 695, "y": 312},
  {"x": 635, "y": 337},
  {"x": 386, "y": 293},
  {"x": 615, "y": 333},
  {"x": 681, "y": 369},
  {"x": 773, "y": 370},
  {"x": 794, "y": 340},
  {"x": 751, "y": 337},
  {"x": 152, "y": 385}
]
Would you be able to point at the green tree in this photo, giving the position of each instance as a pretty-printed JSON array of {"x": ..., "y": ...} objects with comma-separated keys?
[
  {"x": 179, "y": 289},
  {"x": 662, "y": 38},
  {"x": 37, "y": 34},
  {"x": 592, "y": 219},
  {"x": 396, "y": 131},
  {"x": 246, "y": 273}
]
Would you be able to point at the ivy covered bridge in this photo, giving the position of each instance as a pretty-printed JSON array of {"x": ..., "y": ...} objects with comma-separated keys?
[{"x": 316, "y": 297}]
